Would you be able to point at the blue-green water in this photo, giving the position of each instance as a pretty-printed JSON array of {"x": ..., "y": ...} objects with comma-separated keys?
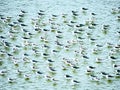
[{"x": 37, "y": 59}]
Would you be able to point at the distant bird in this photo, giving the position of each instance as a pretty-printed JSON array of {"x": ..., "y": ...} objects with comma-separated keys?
[
  {"x": 75, "y": 67},
  {"x": 109, "y": 76},
  {"x": 104, "y": 73},
  {"x": 39, "y": 72},
  {"x": 21, "y": 15},
  {"x": 116, "y": 66},
  {"x": 113, "y": 57},
  {"x": 41, "y": 11},
  {"x": 118, "y": 70},
  {"x": 10, "y": 80},
  {"x": 2, "y": 37},
  {"x": 46, "y": 30},
  {"x": 26, "y": 38},
  {"x": 75, "y": 81},
  {"x": 41, "y": 14},
  {"x": 55, "y": 15},
  {"x": 90, "y": 67},
  {"x": 50, "y": 60},
  {"x": 3, "y": 72},
  {"x": 84, "y": 8},
  {"x": 93, "y": 14},
  {"x": 45, "y": 54},
  {"x": 68, "y": 76},
  {"x": 23, "y": 11},
  {"x": 52, "y": 69},
  {"x": 35, "y": 61},
  {"x": 23, "y": 24},
  {"x": 85, "y": 57}
]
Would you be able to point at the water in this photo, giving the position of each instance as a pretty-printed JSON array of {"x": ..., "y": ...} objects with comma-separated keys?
[{"x": 79, "y": 49}]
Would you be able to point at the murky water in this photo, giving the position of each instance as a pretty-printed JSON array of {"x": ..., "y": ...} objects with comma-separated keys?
[{"x": 74, "y": 45}]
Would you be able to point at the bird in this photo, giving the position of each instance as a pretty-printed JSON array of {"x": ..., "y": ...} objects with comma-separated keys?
[
  {"x": 68, "y": 76},
  {"x": 23, "y": 11},
  {"x": 11, "y": 80},
  {"x": 49, "y": 60},
  {"x": 93, "y": 14},
  {"x": 39, "y": 72},
  {"x": 75, "y": 67},
  {"x": 85, "y": 57},
  {"x": 84, "y": 8},
  {"x": 104, "y": 73},
  {"x": 51, "y": 68},
  {"x": 35, "y": 61},
  {"x": 116, "y": 66},
  {"x": 75, "y": 81},
  {"x": 90, "y": 67}
]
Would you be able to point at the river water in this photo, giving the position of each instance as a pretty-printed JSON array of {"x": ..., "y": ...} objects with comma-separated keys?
[{"x": 72, "y": 49}]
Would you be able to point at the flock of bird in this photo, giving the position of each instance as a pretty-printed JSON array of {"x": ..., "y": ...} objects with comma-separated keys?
[{"x": 58, "y": 48}]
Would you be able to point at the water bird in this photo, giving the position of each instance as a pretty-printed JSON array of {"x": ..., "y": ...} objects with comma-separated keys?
[
  {"x": 118, "y": 71},
  {"x": 27, "y": 77},
  {"x": 90, "y": 67},
  {"x": 96, "y": 79},
  {"x": 19, "y": 72},
  {"x": 45, "y": 54},
  {"x": 37, "y": 29},
  {"x": 109, "y": 76},
  {"x": 46, "y": 46},
  {"x": 80, "y": 25},
  {"x": 113, "y": 57},
  {"x": 116, "y": 66},
  {"x": 11, "y": 80},
  {"x": 73, "y": 22},
  {"x": 2, "y": 37},
  {"x": 55, "y": 51},
  {"x": 51, "y": 68},
  {"x": 35, "y": 61},
  {"x": 23, "y": 11},
  {"x": 25, "y": 54},
  {"x": 10, "y": 54},
  {"x": 59, "y": 36},
  {"x": 94, "y": 24},
  {"x": 46, "y": 30},
  {"x": 106, "y": 26},
  {"x": 26, "y": 37},
  {"x": 23, "y": 24},
  {"x": 68, "y": 76},
  {"x": 20, "y": 20},
  {"x": 98, "y": 60},
  {"x": 25, "y": 30},
  {"x": 93, "y": 14},
  {"x": 21, "y": 15},
  {"x": 75, "y": 13},
  {"x": 98, "y": 45},
  {"x": 55, "y": 15},
  {"x": 49, "y": 60},
  {"x": 41, "y": 11},
  {"x": 11, "y": 25},
  {"x": 58, "y": 43},
  {"x": 104, "y": 73},
  {"x": 84, "y": 56},
  {"x": 75, "y": 81},
  {"x": 7, "y": 43},
  {"x": 75, "y": 67},
  {"x": 3, "y": 72},
  {"x": 84, "y": 8},
  {"x": 39, "y": 72},
  {"x": 59, "y": 32},
  {"x": 41, "y": 14}
]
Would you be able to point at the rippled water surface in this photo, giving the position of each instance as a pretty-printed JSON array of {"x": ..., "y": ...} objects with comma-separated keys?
[{"x": 73, "y": 45}]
